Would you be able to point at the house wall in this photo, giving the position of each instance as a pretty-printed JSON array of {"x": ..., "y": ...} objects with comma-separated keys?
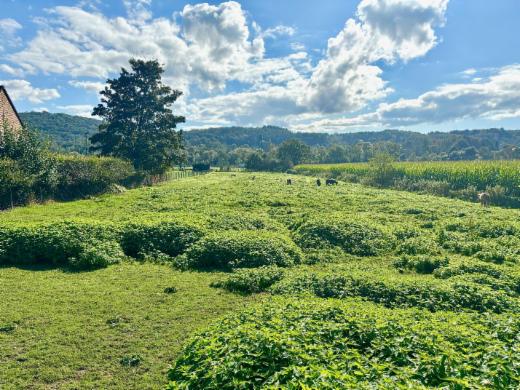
[{"x": 7, "y": 113}]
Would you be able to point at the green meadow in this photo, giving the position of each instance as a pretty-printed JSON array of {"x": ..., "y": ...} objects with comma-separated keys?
[{"x": 238, "y": 280}]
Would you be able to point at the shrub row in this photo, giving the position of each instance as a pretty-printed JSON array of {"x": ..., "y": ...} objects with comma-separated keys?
[
  {"x": 493, "y": 250},
  {"x": 71, "y": 243},
  {"x": 167, "y": 237},
  {"x": 79, "y": 176},
  {"x": 359, "y": 238},
  {"x": 65, "y": 177},
  {"x": 77, "y": 244},
  {"x": 331, "y": 344},
  {"x": 457, "y": 296},
  {"x": 247, "y": 249},
  {"x": 497, "y": 277}
]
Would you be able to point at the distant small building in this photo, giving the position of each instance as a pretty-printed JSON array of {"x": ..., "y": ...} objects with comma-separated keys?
[
  {"x": 8, "y": 113},
  {"x": 201, "y": 167}
]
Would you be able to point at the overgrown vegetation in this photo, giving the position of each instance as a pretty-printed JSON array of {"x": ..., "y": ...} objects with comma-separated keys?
[
  {"x": 425, "y": 281},
  {"x": 247, "y": 249},
  {"x": 462, "y": 179},
  {"x": 329, "y": 345},
  {"x": 29, "y": 171}
]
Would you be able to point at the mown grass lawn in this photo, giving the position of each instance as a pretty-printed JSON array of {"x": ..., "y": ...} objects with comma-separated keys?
[{"x": 62, "y": 330}]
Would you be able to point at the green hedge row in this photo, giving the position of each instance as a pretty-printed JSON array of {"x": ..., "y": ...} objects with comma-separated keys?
[
  {"x": 462, "y": 294},
  {"x": 80, "y": 176},
  {"x": 246, "y": 249},
  {"x": 185, "y": 239},
  {"x": 65, "y": 177},
  {"x": 81, "y": 244},
  {"x": 77, "y": 244},
  {"x": 356, "y": 237},
  {"x": 331, "y": 344}
]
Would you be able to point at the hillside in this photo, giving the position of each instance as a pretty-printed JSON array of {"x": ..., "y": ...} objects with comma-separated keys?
[{"x": 68, "y": 133}]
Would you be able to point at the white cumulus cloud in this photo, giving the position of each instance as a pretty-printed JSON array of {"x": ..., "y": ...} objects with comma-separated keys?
[
  {"x": 92, "y": 86},
  {"x": 389, "y": 30},
  {"x": 8, "y": 31},
  {"x": 205, "y": 46},
  {"x": 23, "y": 90},
  {"x": 496, "y": 97}
]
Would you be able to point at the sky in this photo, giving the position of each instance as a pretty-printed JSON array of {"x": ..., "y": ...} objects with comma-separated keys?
[{"x": 320, "y": 66}]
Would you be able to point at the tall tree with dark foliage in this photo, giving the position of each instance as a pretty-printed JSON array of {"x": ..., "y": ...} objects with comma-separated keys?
[{"x": 138, "y": 122}]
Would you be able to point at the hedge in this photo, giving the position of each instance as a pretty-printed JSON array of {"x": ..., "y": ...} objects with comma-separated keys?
[
  {"x": 356, "y": 237},
  {"x": 460, "y": 295},
  {"x": 167, "y": 237},
  {"x": 88, "y": 244},
  {"x": 246, "y": 249},
  {"x": 74, "y": 243},
  {"x": 79, "y": 176}
]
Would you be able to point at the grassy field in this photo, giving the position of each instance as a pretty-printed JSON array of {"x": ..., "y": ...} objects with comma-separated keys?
[
  {"x": 71, "y": 330},
  {"x": 417, "y": 290}
]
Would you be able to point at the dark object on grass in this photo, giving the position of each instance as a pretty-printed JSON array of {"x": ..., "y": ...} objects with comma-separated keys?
[
  {"x": 289, "y": 182},
  {"x": 7, "y": 328},
  {"x": 331, "y": 182},
  {"x": 170, "y": 290},
  {"x": 200, "y": 167},
  {"x": 131, "y": 361},
  {"x": 318, "y": 182}
]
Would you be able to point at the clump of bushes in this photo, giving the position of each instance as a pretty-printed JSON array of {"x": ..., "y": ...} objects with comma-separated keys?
[
  {"x": 98, "y": 254},
  {"x": 171, "y": 238},
  {"x": 418, "y": 246},
  {"x": 421, "y": 264},
  {"x": 458, "y": 243},
  {"x": 247, "y": 249},
  {"x": 79, "y": 176},
  {"x": 75, "y": 244},
  {"x": 491, "y": 275},
  {"x": 354, "y": 237},
  {"x": 15, "y": 184},
  {"x": 457, "y": 296},
  {"x": 468, "y": 268},
  {"x": 88, "y": 245},
  {"x": 251, "y": 280},
  {"x": 29, "y": 171},
  {"x": 329, "y": 344},
  {"x": 236, "y": 221}
]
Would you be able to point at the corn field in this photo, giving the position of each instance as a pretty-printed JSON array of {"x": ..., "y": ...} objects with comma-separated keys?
[{"x": 496, "y": 176}]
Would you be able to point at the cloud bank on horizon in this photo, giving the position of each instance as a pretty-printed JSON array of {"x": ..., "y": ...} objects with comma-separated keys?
[{"x": 235, "y": 71}]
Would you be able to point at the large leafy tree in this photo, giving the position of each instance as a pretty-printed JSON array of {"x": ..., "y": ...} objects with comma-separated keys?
[
  {"x": 138, "y": 122},
  {"x": 293, "y": 151}
]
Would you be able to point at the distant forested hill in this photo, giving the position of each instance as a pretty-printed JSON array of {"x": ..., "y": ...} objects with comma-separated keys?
[
  {"x": 209, "y": 145},
  {"x": 67, "y": 132},
  {"x": 216, "y": 145},
  {"x": 263, "y": 137}
]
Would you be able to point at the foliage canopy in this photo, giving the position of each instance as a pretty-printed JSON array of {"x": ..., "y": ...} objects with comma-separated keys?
[{"x": 138, "y": 123}]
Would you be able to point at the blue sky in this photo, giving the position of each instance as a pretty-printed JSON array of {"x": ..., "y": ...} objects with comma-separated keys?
[{"x": 335, "y": 66}]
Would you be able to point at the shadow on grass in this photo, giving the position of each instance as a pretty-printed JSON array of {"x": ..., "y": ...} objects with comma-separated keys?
[{"x": 36, "y": 267}]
